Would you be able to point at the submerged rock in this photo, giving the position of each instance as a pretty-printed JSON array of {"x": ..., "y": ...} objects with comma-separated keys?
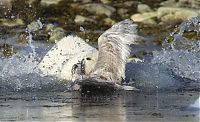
[
  {"x": 145, "y": 17},
  {"x": 49, "y": 2},
  {"x": 171, "y": 3},
  {"x": 22, "y": 37},
  {"x": 81, "y": 19},
  {"x": 129, "y": 3},
  {"x": 142, "y": 8},
  {"x": 165, "y": 15},
  {"x": 34, "y": 26},
  {"x": 12, "y": 23},
  {"x": 100, "y": 9},
  {"x": 86, "y": 1},
  {"x": 56, "y": 34},
  {"x": 106, "y": 1},
  {"x": 5, "y": 7},
  {"x": 122, "y": 11},
  {"x": 171, "y": 13},
  {"x": 189, "y": 3},
  {"x": 109, "y": 21},
  {"x": 195, "y": 4},
  {"x": 6, "y": 50}
]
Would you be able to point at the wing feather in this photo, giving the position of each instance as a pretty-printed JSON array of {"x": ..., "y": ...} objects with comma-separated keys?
[{"x": 114, "y": 50}]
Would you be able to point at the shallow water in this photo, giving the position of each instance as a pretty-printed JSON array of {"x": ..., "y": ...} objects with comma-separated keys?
[
  {"x": 121, "y": 107},
  {"x": 168, "y": 81}
]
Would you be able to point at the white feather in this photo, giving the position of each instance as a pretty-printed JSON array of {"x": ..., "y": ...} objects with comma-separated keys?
[
  {"x": 114, "y": 51},
  {"x": 108, "y": 63},
  {"x": 67, "y": 52}
]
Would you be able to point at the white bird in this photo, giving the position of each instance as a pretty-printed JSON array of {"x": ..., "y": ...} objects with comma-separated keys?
[{"x": 73, "y": 59}]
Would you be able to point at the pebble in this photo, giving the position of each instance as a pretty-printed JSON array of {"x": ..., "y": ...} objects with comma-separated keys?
[
  {"x": 144, "y": 16},
  {"x": 99, "y": 9},
  {"x": 13, "y": 23},
  {"x": 81, "y": 19},
  {"x": 34, "y": 26},
  {"x": 195, "y": 4},
  {"x": 56, "y": 34},
  {"x": 171, "y": 13},
  {"x": 129, "y": 3},
  {"x": 5, "y": 6},
  {"x": 122, "y": 11},
  {"x": 142, "y": 8},
  {"x": 86, "y": 1},
  {"x": 106, "y": 1},
  {"x": 22, "y": 38},
  {"x": 49, "y": 2},
  {"x": 109, "y": 21}
]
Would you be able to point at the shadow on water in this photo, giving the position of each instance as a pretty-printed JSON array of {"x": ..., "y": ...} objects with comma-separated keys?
[{"x": 90, "y": 90}]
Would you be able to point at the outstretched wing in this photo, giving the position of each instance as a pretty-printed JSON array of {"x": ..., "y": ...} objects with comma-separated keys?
[
  {"x": 114, "y": 50},
  {"x": 60, "y": 59}
]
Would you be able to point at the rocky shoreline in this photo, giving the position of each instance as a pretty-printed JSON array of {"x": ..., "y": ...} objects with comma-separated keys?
[{"x": 89, "y": 18}]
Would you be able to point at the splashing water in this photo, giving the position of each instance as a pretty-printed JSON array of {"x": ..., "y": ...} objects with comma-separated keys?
[
  {"x": 20, "y": 71},
  {"x": 34, "y": 26},
  {"x": 176, "y": 64},
  {"x": 184, "y": 56}
]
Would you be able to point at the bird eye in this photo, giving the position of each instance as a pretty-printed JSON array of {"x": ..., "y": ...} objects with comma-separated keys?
[
  {"x": 88, "y": 58},
  {"x": 75, "y": 66}
]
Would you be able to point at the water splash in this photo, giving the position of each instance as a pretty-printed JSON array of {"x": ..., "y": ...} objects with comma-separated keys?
[
  {"x": 20, "y": 71},
  {"x": 167, "y": 68},
  {"x": 177, "y": 39},
  {"x": 32, "y": 27},
  {"x": 183, "y": 55},
  {"x": 176, "y": 65}
]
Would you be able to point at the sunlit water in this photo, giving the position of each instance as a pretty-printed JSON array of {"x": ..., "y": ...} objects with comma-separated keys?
[{"x": 168, "y": 81}]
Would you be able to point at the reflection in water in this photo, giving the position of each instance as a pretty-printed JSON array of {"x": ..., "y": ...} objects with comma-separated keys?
[{"x": 120, "y": 107}]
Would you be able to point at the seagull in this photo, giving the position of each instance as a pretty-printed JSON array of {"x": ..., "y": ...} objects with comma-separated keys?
[{"x": 74, "y": 60}]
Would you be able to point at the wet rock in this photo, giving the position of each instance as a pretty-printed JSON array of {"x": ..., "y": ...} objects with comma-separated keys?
[
  {"x": 146, "y": 18},
  {"x": 34, "y": 26},
  {"x": 5, "y": 2},
  {"x": 122, "y": 11},
  {"x": 99, "y": 9},
  {"x": 195, "y": 4},
  {"x": 31, "y": 1},
  {"x": 89, "y": 37},
  {"x": 56, "y": 34},
  {"x": 48, "y": 32},
  {"x": 171, "y": 13},
  {"x": 6, "y": 50},
  {"x": 106, "y": 1},
  {"x": 24, "y": 9},
  {"x": 109, "y": 21},
  {"x": 40, "y": 35},
  {"x": 171, "y": 3},
  {"x": 142, "y": 8},
  {"x": 86, "y": 1},
  {"x": 12, "y": 23},
  {"x": 159, "y": 115},
  {"x": 129, "y": 3},
  {"x": 49, "y": 27},
  {"x": 5, "y": 7},
  {"x": 189, "y": 3},
  {"x": 134, "y": 59},
  {"x": 22, "y": 38},
  {"x": 49, "y": 2},
  {"x": 81, "y": 19}
]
